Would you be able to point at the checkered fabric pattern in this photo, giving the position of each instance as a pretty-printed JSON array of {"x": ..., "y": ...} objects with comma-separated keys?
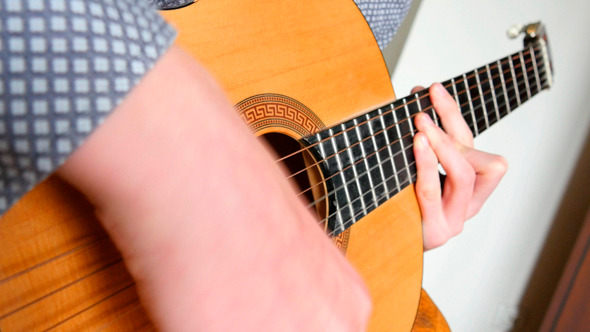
[
  {"x": 64, "y": 65},
  {"x": 384, "y": 17}
]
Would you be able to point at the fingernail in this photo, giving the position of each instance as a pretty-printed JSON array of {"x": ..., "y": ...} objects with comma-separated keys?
[
  {"x": 423, "y": 141},
  {"x": 440, "y": 89},
  {"x": 427, "y": 119}
]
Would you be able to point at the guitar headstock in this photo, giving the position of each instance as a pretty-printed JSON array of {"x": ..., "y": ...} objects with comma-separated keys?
[{"x": 535, "y": 35}]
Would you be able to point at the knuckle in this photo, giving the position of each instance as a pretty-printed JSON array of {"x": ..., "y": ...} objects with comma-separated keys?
[
  {"x": 457, "y": 228},
  {"x": 474, "y": 210},
  {"x": 436, "y": 240},
  {"x": 429, "y": 192},
  {"x": 499, "y": 165},
  {"x": 465, "y": 176}
]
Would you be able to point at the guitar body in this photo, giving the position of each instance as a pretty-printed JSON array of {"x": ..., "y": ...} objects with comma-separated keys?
[
  {"x": 292, "y": 68},
  {"x": 322, "y": 56}
]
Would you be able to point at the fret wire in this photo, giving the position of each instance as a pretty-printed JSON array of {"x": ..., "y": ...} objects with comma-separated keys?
[
  {"x": 374, "y": 141},
  {"x": 462, "y": 114},
  {"x": 354, "y": 171},
  {"x": 534, "y": 60},
  {"x": 531, "y": 73},
  {"x": 340, "y": 167},
  {"x": 319, "y": 141},
  {"x": 365, "y": 159},
  {"x": 389, "y": 149},
  {"x": 543, "y": 76},
  {"x": 526, "y": 77},
  {"x": 393, "y": 107},
  {"x": 467, "y": 89},
  {"x": 403, "y": 151},
  {"x": 409, "y": 146},
  {"x": 432, "y": 112},
  {"x": 399, "y": 134},
  {"x": 483, "y": 104},
  {"x": 501, "y": 73},
  {"x": 511, "y": 64},
  {"x": 546, "y": 62},
  {"x": 455, "y": 94},
  {"x": 434, "y": 115},
  {"x": 410, "y": 180},
  {"x": 417, "y": 101},
  {"x": 493, "y": 90}
]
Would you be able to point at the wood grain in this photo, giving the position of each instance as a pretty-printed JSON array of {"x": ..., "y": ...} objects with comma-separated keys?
[
  {"x": 337, "y": 48},
  {"x": 429, "y": 318},
  {"x": 59, "y": 269}
]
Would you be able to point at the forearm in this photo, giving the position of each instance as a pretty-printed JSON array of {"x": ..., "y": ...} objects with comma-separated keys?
[{"x": 210, "y": 229}]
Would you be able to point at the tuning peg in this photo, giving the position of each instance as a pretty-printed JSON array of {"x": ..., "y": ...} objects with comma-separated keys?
[{"x": 515, "y": 30}]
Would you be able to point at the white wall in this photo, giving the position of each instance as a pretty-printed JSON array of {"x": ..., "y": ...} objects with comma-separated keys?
[{"x": 477, "y": 279}]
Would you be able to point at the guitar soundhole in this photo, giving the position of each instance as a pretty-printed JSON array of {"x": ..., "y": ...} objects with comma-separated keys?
[
  {"x": 266, "y": 112},
  {"x": 309, "y": 181}
]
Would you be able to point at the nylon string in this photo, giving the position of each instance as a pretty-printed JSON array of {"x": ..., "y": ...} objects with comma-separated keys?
[
  {"x": 347, "y": 223},
  {"x": 389, "y": 127},
  {"x": 352, "y": 219}
]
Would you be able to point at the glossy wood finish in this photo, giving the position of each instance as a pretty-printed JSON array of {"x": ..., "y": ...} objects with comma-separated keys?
[
  {"x": 429, "y": 318},
  {"x": 337, "y": 48},
  {"x": 58, "y": 267}
]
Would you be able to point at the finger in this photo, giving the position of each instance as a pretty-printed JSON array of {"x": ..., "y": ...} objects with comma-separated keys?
[
  {"x": 489, "y": 170},
  {"x": 459, "y": 183},
  {"x": 417, "y": 88},
  {"x": 428, "y": 193},
  {"x": 450, "y": 115}
]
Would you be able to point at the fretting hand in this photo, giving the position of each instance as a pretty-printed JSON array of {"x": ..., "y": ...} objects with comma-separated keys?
[{"x": 472, "y": 175}]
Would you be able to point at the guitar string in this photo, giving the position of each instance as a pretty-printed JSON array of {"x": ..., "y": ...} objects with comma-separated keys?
[
  {"x": 373, "y": 135},
  {"x": 389, "y": 158},
  {"x": 380, "y": 131},
  {"x": 90, "y": 307},
  {"x": 62, "y": 255},
  {"x": 394, "y": 191},
  {"x": 471, "y": 75},
  {"x": 103, "y": 268},
  {"x": 493, "y": 66},
  {"x": 136, "y": 306},
  {"x": 347, "y": 223},
  {"x": 390, "y": 144},
  {"x": 396, "y": 154},
  {"x": 72, "y": 251},
  {"x": 55, "y": 291}
]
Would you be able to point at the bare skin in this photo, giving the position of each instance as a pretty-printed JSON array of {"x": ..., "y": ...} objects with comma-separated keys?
[
  {"x": 472, "y": 175},
  {"x": 213, "y": 233}
]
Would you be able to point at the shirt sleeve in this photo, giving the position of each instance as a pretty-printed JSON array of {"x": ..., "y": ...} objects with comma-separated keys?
[
  {"x": 384, "y": 17},
  {"x": 64, "y": 66}
]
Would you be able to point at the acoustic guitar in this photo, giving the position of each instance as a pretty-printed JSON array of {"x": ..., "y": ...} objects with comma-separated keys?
[{"x": 307, "y": 76}]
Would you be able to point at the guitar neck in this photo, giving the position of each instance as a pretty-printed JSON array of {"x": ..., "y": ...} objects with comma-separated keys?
[
  {"x": 369, "y": 159},
  {"x": 489, "y": 93}
]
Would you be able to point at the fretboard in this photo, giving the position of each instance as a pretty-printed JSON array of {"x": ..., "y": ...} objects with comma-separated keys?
[{"x": 367, "y": 160}]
